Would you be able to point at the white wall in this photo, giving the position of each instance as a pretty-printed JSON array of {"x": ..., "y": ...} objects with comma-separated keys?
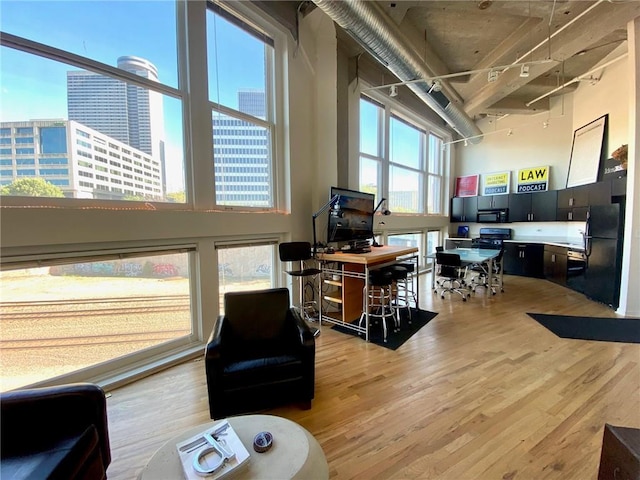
[{"x": 532, "y": 145}]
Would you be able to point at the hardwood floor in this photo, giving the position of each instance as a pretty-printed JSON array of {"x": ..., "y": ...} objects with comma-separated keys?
[{"x": 481, "y": 392}]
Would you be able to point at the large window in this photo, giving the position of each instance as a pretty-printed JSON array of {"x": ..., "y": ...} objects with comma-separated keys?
[
  {"x": 70, "y": 316},
  {"x": 409, "y": 240},
  {"x": 400, "y": 160},
  {"x": 245, "y": 267},
  {"x": 242, "y": 110},
  {"x": 94, "y": 90}
]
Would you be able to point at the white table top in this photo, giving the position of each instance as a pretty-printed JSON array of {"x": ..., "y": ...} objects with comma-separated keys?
[
  {"x": 295, "y": 452},
  {"x": 471, "y": 255}
]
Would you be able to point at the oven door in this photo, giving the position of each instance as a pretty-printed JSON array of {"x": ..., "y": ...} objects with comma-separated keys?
[{"x": 576, "y": 266}]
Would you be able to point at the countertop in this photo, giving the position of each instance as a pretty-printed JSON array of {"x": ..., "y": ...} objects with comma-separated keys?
[{"x": 573, "y": 243}]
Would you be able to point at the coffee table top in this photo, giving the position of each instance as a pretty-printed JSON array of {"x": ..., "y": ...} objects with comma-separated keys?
[{"x": 295, "y": 452}]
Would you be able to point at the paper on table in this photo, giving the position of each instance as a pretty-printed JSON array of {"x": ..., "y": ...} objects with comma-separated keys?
[{"x": 229, "y": 438}]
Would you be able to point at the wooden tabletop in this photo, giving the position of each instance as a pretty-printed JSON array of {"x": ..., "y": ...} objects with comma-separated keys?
[{"x": 376, "y": 255}]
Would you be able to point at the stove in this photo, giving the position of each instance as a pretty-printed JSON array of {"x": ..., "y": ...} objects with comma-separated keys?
[{"x": 491, "y": 238}]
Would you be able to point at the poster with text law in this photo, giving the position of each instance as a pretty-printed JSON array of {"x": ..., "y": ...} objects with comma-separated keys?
[
  {"x": 467, "y": 186},
  {"x": 533, "y": 179}
]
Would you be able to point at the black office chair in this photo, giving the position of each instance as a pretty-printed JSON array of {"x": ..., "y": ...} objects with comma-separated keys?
[
  {"x": 299, "y": 253},
  {"x": 452, "y": 275}
]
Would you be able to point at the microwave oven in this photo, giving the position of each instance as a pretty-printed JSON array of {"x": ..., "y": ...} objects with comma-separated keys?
[{"x": 493, "y": 216}]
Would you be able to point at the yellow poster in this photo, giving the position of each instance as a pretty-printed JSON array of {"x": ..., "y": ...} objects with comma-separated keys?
[
  {"x": 496, "y": 183},
  {"x": 533, "y": 179}
]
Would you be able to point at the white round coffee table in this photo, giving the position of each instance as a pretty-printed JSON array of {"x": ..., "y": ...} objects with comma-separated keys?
[{"x": 295, "y": 452}]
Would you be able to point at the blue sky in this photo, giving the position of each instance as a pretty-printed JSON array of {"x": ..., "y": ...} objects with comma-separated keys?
[{"x": 33, "y": 87}]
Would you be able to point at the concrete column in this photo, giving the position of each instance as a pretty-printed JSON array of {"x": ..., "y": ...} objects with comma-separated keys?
[{"x": 630, "y": 282}]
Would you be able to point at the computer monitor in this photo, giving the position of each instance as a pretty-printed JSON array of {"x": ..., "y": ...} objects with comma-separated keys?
[{"x": 351, "y": 217}]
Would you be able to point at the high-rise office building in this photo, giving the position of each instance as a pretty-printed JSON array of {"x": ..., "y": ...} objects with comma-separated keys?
[
  {"x": 83, "y": 162},
  {"x": 251, "y": 101},
  {"x": 241, "y": 153},
  {"x": 125, "y": 112}
]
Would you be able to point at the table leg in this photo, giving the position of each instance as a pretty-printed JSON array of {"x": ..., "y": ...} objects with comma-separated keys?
[
  {"x": 366, "y": 302},
  {"x": 417, "y": 290},
  {"x": 489, "y": 277},
  {"x": 433, "y": 274},
  {"x": 320, "y": 280}
]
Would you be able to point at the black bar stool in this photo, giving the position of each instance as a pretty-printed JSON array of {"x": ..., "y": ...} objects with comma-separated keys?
[
  {"x": 409, "y": 283},
  {"x": 378, "y": 300},
  {"x": 401, "y": 293}
]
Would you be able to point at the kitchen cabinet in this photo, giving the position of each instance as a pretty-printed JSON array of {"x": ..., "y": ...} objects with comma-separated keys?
[
  {"x": 574, "y": 197},
  {"x": 464, "y": 209},
  {"x": 574, "y": 203},
  {"x": 526, "y": 259},
  {"x": 599, "y": 193},
  {"x": 533, "y": 207},
  {"x": 555, "y": 264},
  {"x": 487, "y": 202}
]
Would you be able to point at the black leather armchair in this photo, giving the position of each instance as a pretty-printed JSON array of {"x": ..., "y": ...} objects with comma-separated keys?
[
  {"x": 55, "y": 433},
  {"x": 259, "y": 355}
]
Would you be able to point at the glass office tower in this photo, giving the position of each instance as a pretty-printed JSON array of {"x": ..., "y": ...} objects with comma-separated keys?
[
  {"x": 128, "y": 113},
  {"x": 241, "y": 153}
]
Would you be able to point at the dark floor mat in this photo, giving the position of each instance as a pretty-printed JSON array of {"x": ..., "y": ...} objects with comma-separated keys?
[
  {"x": 419, "y": 318},
  {"x": 626, "y": 330}
]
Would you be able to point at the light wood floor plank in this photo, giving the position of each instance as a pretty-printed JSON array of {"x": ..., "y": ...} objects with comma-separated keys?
[{"x": 481, "y": 392}]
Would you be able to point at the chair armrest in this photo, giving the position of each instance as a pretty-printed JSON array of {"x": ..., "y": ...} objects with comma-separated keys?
[
  {"x": 58, "y": 411},
  {"x": 304, "y": 332},
  {"x": 214, "y": 344}
]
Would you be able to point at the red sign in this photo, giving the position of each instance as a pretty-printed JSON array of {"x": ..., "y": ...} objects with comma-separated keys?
[{"x": 467, "y": 186}]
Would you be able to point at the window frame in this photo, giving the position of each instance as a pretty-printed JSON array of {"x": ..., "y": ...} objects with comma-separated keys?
[
  {"x": 274, "y": 90},
  {"x": 31, "y": 47},
  {"x": 394, "y": 109}
]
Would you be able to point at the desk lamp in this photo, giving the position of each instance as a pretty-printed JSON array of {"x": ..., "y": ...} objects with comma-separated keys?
[
  {"x": 384, "y": 211},
  {"x": 326, "y": 206}
]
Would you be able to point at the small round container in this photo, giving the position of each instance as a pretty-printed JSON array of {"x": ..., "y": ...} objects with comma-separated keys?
[{"x": 262, "y": 442}]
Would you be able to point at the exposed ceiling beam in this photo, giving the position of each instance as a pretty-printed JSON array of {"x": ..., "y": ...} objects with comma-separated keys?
[{"x": 594, "y": 25}]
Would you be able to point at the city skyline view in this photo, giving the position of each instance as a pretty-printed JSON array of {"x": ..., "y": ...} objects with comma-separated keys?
[{"x": 34, "y": 88}]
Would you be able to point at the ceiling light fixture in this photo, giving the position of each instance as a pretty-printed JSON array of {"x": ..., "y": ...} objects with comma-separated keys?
[
  {"x": 545, "y": 124},
  {"x": 436, "y": 86},
  {"x": 509, "y": 133},
  {"x": 524, "y": 70},
  {"x": 393, "y": 91},
  {"x": 493, "y": 76},
  {"x": 466, "y": 144},
  {"x": 493, "y": 72}
]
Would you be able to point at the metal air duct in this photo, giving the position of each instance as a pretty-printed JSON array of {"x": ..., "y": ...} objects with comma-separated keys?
[{"x": 382, "y": 38}]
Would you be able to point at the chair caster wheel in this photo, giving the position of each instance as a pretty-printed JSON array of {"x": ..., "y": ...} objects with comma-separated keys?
[
  {"x": 442, "y": 296},
  {"x": 464, "y": 299}
]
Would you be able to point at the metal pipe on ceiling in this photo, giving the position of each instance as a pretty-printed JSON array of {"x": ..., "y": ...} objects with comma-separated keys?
[{"x": 384, "y": 40}]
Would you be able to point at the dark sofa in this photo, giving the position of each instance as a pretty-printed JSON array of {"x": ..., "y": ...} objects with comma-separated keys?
[{"x": 54, "y": 433}]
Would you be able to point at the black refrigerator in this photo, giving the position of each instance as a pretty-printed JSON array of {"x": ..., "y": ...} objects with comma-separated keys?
[{"x": 604, "y": 233}]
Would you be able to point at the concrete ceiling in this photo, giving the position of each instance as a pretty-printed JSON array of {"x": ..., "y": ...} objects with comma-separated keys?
[
  {"x": 454, "y": 36},
  {"x": 469, "y": 35}
]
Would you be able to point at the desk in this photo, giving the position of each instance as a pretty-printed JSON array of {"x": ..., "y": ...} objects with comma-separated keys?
[
  {"x": 295, "y": 452},
  {"x": 349, "y": 274},
  {"x": 469, "y": 256}
]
